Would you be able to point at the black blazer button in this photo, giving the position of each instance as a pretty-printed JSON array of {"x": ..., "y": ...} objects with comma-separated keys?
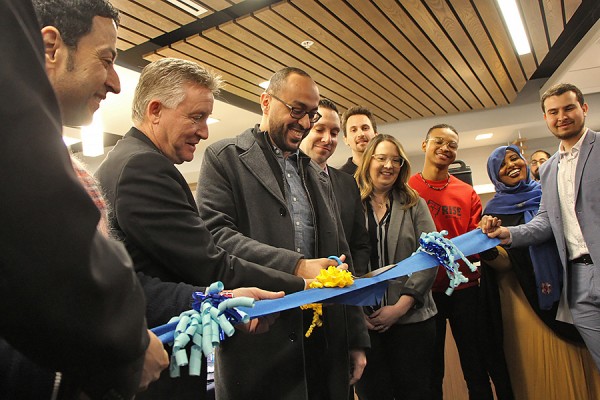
[
  {"x": 293, "y": 337},
  {"x": 282, "y": 212}
]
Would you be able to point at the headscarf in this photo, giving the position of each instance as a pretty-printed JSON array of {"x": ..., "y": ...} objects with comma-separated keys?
[{"x": 525, "y": 198}]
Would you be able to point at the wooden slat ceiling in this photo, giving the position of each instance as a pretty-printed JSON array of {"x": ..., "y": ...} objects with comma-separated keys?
[{"x": 401, "y": 59}]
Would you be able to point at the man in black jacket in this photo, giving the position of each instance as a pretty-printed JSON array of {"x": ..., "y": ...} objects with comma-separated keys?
[
  {"x": 319, "y": 145},
  {"x": 69, "y": 299},
  {"x": 153, "y": 211}
]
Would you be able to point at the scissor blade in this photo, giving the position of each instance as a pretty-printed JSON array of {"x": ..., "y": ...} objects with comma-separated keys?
[{"x": 378, "y": 271}]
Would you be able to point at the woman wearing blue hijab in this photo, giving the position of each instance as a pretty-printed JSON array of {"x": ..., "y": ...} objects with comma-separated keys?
[{"x": 522, "y": 288}]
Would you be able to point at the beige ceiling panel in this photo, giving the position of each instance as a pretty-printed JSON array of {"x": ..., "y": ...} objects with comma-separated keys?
[
  {"x": 386, "y": 59},
  {"x": 139, "y": 27},
  {"x": 413, "y": 64},
  {"x": 437, "y": 61},
  {"x": 536, "y": 28},
  {"x": 234, "y": 50},
  {"x": 350, "y": 49},
  {"x": 168, "y": 10},
  {"x": 233, "y": 84},
  {"x": 438, "y": 33},
  {"x": 553, "y": 12},
  {"x": 131, "y": 37},
  {"x": 143, "y": 14},
  {"x": 220, "y": 58},
  {"x": 290, "y": 53},
  {"x": 152, "y": 57},
  {"x": 122, "y": 45},
  {"x": 470, "y": 19},
  {"x": 328, "y": 65},
  {"x": 570, "y": 7},
  {"x": 502, "y": 43}
]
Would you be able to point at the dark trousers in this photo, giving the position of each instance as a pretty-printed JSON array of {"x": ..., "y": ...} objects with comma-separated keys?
[
  {"x": 461, "y": 309},
  {"x": 399, "y": 363}
]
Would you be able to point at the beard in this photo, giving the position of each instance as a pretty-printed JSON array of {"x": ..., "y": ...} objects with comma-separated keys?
[
  {"x": 575, "y": 131},
  {"x": 278, "y": 133}
]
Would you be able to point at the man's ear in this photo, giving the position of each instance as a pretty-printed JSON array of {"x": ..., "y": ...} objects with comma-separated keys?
[
  {"x": 265, "y": 102},
  {"x": 424, "y": 146},
  {"x": 53, "y": 46},
  {"x": 153, "y": 111}
]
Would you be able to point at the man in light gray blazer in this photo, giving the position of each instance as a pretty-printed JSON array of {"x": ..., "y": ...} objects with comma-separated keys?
[{"x": 569, "y": 211}]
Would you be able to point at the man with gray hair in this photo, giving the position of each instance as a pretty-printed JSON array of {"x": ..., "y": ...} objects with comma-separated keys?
[{"x": 154, "y": 213}]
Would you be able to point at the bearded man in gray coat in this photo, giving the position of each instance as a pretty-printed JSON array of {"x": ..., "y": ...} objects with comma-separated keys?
[{"x": 265, "y": 201}]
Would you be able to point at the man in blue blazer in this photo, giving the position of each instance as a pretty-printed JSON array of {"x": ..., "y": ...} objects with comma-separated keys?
[{"x": 569, "y": 211}]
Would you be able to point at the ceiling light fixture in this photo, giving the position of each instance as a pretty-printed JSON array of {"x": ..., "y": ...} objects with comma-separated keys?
[
  {"x": 189, "y": 6},
  {"x": 307, "y": 43},
  {"x": 212, "y": 120},
  {"x": 92, "y": 137},
  {"x": 513, "y": 21},
  {"x": 264, "y": 84},
  {"x": 484, "y": 136}
]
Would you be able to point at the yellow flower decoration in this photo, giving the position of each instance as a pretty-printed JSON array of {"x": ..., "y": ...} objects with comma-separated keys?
[{"x": 330, "y": 277}]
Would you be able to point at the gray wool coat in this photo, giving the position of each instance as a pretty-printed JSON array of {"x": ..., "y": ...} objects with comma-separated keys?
[{"x": 241, "y": 199}]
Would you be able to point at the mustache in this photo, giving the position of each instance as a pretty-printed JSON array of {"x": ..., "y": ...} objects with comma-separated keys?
[{"x": 297, "y": 127}]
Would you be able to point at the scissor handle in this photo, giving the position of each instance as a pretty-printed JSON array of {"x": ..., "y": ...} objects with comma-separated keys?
[{"x": 336, "y": 258}]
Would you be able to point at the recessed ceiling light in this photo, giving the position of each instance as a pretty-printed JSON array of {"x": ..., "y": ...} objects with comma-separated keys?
[
  {"x": 264, "y": 85},
  {"x": 189, "y": 6},
  {"x": 513, "y": 21},
  {"x": 484, "y": 136},
  {"x": 212, "y": 120},
  {"x": 307, "y": 43}
]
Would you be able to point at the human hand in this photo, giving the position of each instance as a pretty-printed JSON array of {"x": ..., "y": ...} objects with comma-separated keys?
[
  {"x": 358, "y": 362},
  {"x": 262, "y": 324},
  {"x": 256, "y": 293},
  {"x": 383, "y": 318},
  {"x": 155, "y": 360},
  {"x": 310, "y": 268},
  {"x": 368, "y": 322},
  {"x": 492, "y": 227}
]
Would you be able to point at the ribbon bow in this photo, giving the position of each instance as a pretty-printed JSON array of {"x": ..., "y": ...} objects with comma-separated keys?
[
  {"x": 435, "y": 244},
  {"x": 210, "y": 320}
]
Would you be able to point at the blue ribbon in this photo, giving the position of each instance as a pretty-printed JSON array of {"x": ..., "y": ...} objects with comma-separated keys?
[{"x": 369, "y": 291}]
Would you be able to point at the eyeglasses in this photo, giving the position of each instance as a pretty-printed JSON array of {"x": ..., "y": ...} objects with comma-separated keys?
[
  {"x": 383, "y": 159},
  {"x": 536, "y": 162},
  {"x": 440, "y": 142},
  {"x": 298, "y": 113}
]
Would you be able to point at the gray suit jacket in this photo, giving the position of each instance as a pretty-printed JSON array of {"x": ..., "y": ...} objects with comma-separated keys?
[
  {"x": 548, "y": 222},
  {"x": 242, "y": 200},
  {"x": 404, "y": 231}
]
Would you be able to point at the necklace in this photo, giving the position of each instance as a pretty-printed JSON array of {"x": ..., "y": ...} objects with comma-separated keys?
[
  {"x": 433, "y": 187},
  {"x": 380, "y": 204}
]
